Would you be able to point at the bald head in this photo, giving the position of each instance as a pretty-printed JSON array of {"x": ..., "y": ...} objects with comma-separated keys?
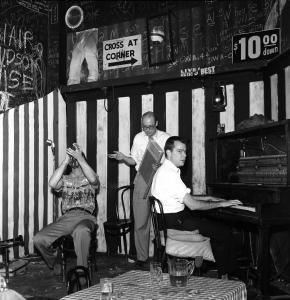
[
  {"x": 149, "y": 114},
  {"x": 149, "y": 123}
]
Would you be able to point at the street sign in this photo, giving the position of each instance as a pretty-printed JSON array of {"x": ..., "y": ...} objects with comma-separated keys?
[
  {"x": 256, "y": 45},
  {"x": 122, "y": 53}
]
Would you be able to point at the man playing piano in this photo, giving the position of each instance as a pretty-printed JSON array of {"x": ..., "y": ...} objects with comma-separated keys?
[{"x": 180, "y": 207}]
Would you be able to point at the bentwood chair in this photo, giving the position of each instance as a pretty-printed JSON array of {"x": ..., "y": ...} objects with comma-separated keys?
[
  {"x": 4, "y": 251},
  {"x": 66, "y": 250},
  {"x": 177, "y": 243},
  {"x": 124, "y": 222},
  {"x": 65, "y": 247}
]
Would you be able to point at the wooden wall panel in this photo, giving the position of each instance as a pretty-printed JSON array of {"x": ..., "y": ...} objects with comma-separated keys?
[{"x": 26, "y": 163}]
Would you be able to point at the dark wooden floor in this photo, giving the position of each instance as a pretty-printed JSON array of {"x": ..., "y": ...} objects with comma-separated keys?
[{"x": 37, "y": 282}]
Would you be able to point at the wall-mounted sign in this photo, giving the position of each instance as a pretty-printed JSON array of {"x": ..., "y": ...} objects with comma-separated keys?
[
  {"x": 256, "y": 45},
  {"x": 122, "y": 53}
]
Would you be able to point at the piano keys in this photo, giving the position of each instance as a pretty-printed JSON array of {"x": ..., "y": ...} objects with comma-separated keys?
[{"x": 242, "y": 207}]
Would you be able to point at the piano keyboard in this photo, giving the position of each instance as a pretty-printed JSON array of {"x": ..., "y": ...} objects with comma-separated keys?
[{"x": 249, "y": 208}]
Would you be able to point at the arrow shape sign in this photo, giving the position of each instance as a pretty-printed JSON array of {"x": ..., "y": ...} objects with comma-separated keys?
[
  {"x": 131, "y": 61},
  {"x": 122, "y": 52}
]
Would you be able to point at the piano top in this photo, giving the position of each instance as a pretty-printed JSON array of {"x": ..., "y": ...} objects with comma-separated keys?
[
  {"x": 253, "y": 130},
  {"x": 249, "y": 186}
]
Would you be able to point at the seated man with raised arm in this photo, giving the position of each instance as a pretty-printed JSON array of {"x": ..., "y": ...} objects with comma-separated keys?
[
  {"x": 180, "y": 206},
  {"x": 78, "y": 190}
]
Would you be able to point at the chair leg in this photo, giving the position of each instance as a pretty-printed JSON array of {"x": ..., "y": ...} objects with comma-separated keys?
[
  {"x": 107, "y": 240},
  {"x": 164, "y": 261},
  {"x": 90, "y": 268},
  {"x": 63, "y": 266},
  {"x": 93, "y": 257},
  {"x": 95, "y": 264},
  {"x": 120, "y": 241},
  {"x": 125, "y": 246}
]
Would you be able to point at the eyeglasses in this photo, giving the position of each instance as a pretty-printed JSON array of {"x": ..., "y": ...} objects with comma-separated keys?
[{"x": 150, "y": 127}]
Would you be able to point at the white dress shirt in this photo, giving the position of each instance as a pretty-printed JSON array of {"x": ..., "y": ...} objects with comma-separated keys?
[
  {"x": 168, "y": 187},
  {"x": 140, "y": 143}
]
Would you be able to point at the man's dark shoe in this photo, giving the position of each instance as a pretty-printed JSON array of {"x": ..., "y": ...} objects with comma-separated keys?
[{"x": 140, "y": 264}]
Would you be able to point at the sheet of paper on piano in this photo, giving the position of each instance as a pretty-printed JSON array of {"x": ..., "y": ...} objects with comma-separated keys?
[
  {"x": 152, "y": 155},
  {"x": 249, "y": 208}
]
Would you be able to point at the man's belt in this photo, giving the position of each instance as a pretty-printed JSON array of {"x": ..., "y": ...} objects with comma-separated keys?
[{"x": 79, "y": 208}]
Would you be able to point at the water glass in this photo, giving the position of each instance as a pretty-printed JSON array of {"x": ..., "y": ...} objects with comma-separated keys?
[
  {"x": 117, "y": 292},
  {"x": 156, "y": 272},
  {"x": 156, "y": 277},
  {"x": 106, "y": 288}
]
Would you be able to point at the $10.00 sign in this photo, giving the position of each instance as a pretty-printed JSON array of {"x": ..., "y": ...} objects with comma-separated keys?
[{"x": 256, "y": 45}]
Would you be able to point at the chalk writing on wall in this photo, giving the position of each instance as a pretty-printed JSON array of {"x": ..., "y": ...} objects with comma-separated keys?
[
  {"x": 22, "y": 65},
  {"x": 23, "y": 52},
  {"x": 201, "y": 34},
  {"x": 37, "y": 6}
]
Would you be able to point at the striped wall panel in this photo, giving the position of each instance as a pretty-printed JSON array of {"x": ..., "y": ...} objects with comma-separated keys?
[
  {"x": 168, "y": 107},
  {"x": 101, "y": 168},
  {"x": 26, "y": 163},
  {"x": 100, "y": 127},
  {"x": 274, "y": 97},
  {"x": 198, "y": 141}
]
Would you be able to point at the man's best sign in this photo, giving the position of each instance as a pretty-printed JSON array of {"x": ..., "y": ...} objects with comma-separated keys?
[{"x": 122, "y": 53}]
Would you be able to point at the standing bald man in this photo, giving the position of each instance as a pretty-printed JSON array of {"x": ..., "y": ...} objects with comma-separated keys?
[{"x": 141, "y": 207}]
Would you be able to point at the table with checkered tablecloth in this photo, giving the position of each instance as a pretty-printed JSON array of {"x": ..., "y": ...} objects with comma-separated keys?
[{"x": 135, "y": 285}]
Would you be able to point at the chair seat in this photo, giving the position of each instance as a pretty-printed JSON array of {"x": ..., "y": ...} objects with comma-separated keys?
[
  {"x": 121, "y": 227},
  {"x": 179, "y": 235},
  {"x": 119, "y": 224},
  {"x": 187, "y": 244},
  {"x": 187, "y": 236},
  {"x": 190, "y": 248}
]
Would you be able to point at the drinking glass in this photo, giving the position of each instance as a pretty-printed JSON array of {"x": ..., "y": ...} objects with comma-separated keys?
[
  {"x": 106, "y": 288},
  {"x": 156, "y": 277},
  {"x": 117, "y": 292}
]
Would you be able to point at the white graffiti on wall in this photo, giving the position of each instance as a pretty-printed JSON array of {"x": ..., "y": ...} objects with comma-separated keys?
[
  {"x": 4, "y": 100},
  {"x": 21, "y": 62}
]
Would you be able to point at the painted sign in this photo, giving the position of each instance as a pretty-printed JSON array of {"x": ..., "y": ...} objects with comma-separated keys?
[
  {"x": 256, "y": 45},
  {"x": 122, "y": 53}
]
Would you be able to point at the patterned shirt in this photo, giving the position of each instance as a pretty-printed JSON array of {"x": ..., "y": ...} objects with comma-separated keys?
[{"x": 77, "y": 192}]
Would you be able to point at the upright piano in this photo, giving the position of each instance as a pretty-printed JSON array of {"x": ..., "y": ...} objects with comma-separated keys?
[{"x": 252, "y": 165}]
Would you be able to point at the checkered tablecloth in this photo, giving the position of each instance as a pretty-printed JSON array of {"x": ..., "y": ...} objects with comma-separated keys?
[{"x": 135, "y": 285}]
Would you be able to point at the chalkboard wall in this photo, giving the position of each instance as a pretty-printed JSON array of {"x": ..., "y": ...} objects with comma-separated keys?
[
  {"x": 23, "y": 51},
  {"x": 33, "y": 39},
  {"x": 201, "y": 34}
]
